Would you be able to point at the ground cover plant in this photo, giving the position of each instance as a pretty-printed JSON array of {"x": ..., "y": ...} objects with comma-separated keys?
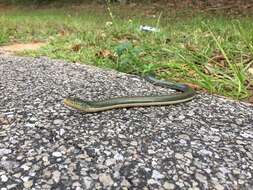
[{"x": 210, "y": 52}]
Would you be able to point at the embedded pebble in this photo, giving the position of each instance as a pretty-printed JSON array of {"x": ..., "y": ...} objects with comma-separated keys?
[
  {"x": 106, "y": 180},
  {"x": 216, "y": 138},
  {"x": 168, "y": 185},
  {"x": 30, "y": 125},
  {"x": 134, "y": 143},
  {"x": 11, "y": 186},
  {"x": 150, "y": 151},
  {"x": 4, "y": 151},
  {"x": 179, "y": 156},
  {"x": 157, "y": 175},
  {"x": 33, "y": 119},
  {"x": 188, "y": 155},
  {"x": 58, "y": 122},
  {"x": 110, "y": 162},
  {"x": 200, "y": 177},
  {"x": 28, "y": 184},
  {"x": 25, "y": 178},
  {"x": 206, "y": 152},
  {"x": 125, "y": 183},
  {"x": 76, "y": 184},
  {"x": 4, "y": 178},
  {"x": 185, "y": 137},
  {"x": 25, "y": 167},
  {"x": 61, "y": 132},
  {"x": 57, "y": 154},
  {"x": 152, "y": 181},
  {"x": 218, "y": 186},
  {"x": 56, "y": 176},
  {"x": 87, "y": 182},
  {"x": 118, "y": 157}
]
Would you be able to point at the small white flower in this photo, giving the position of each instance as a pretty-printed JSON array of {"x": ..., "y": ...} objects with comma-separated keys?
[{"x": 109, "y": 23}]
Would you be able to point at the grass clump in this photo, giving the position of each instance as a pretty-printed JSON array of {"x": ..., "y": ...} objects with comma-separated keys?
[{"x": 210, "y": 52}]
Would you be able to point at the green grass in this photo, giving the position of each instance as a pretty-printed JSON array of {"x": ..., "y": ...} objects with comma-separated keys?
[{"x": 212, "y": 52}]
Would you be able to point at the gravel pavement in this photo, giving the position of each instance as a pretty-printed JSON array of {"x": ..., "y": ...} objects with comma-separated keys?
[{"x": 206, "y": 143}]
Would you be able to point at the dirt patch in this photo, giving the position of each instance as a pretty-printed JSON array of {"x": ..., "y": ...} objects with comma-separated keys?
[
  {"x": 5, "y": 7},
  {"x": 15, "y": 48}
]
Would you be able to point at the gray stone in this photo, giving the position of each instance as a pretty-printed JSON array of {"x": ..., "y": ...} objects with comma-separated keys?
[
  {"x": 4, "y": 151},
  {"x": 125, "y": 183},
  {"x": 247, "y": 134},
  {"x": 12, "y": 186},
  {"x": 61, "y": 132},
  {"x": 116, "y": 175},
  {"x": 201, "y": 178},
  {"x": 4, "y": 178},
  {"x": 179, "y": 156},
  {"x": 88, "y": 182},
  {"x": 17, "y": 175},
  {"x": 8, "y": 165},
  {"x": 47, "y": 174},
  {"x": 152, "y": 181},
  {"x": 121, "y": 136},
  {"x": 216, "y": 138},
  {"x": 133, "y": 143},
  {"x": 26, "y": 166},
  {"x": 184, "y": 136},
  {"x": 218, "y": 186},
  {"x": 76, "y": 184},
  {"x": 157, "y": 175},
  {"x": 110, "y": 162},
  {"x": 58, "y": 122},
  {"x": 94, "y": 176},
  {"x": 25, "y": 178},
  {"x": 57, "y": 154},
  {"x": 33, "y": 119},
  {"x": 105, "y": 179},
  {"x": 168, "y": 186},
  {"x": 56, "y": 176},
  {"x": 30, "y": 125},
  {"x": 28, "y": 184},
  {"x": 188, "y": 155},
  {"x": 206, "y": 152},
  {"x": 150, "y": 151},
  {"x": 118, "y": 157},
  {"x": 181, "y": 117}
]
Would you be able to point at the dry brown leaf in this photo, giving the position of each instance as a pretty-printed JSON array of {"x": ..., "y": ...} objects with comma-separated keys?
[
  {"x": 191, "y": 47},
  {"x": 248, "y": 99},
  {"x": 126, "y": 38},
  {"x": 105, "y": 54},
  {"x": 191, "y": 73},
  {"x": 62, "y": 33},
  {"x": 218, "y": 59},
  {"x": 76, "y": 47},
  {"x": 194, "y": 86}
]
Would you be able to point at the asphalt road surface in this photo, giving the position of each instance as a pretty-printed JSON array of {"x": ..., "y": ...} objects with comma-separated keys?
[{"x": 206, "y": 143}]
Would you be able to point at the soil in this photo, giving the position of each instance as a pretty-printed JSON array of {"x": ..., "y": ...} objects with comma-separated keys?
[{"x": 19, "y": 47}]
